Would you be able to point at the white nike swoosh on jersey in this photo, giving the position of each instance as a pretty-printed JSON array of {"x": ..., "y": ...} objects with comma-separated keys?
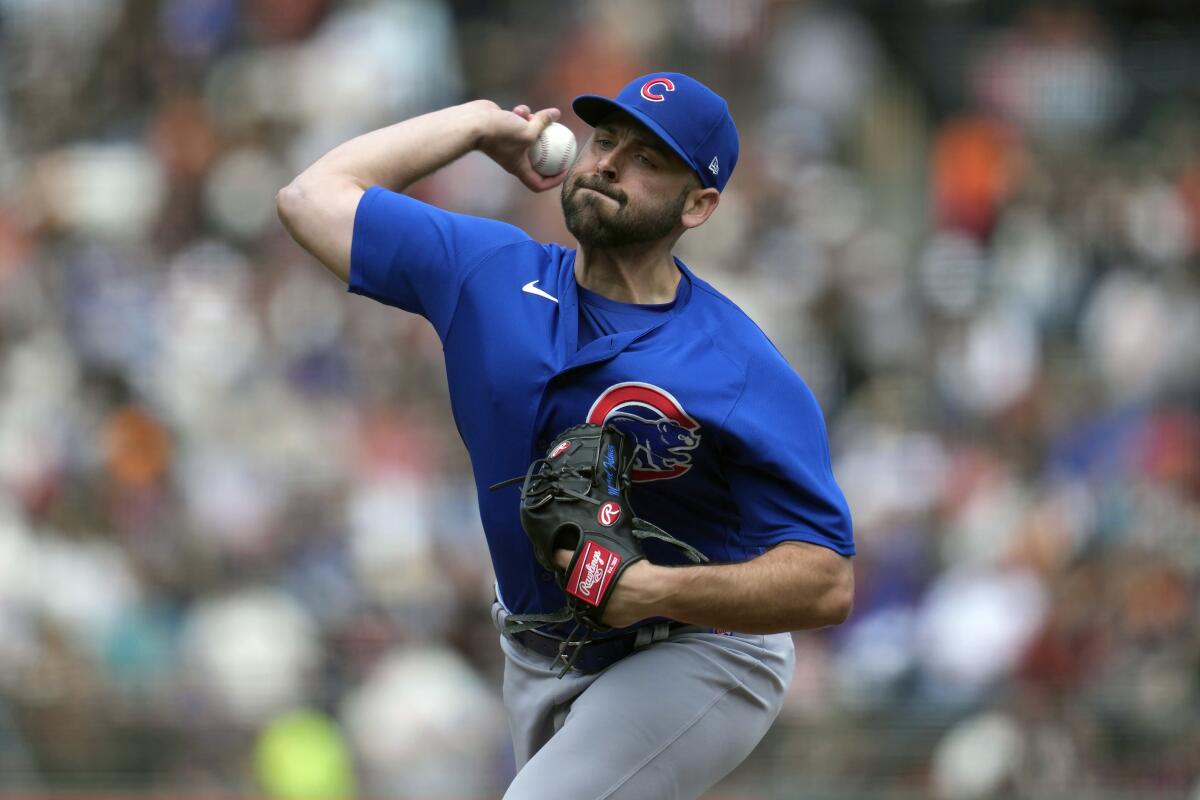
[{"x": 531, "y": 287}]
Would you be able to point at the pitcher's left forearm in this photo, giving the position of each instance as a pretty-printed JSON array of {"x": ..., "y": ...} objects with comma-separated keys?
[{"x": 793, "y": 586}]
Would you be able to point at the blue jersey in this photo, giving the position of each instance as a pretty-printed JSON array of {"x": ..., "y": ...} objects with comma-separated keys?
[{"x": 731, "y": 452}]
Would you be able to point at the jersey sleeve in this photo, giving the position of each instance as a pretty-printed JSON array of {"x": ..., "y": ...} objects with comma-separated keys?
[
  {"x": 779, "y": 467},
  {"x": 414, "y": 256}
]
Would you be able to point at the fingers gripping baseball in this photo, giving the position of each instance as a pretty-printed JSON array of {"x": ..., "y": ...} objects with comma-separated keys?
[{"x": 508, "y": 138}]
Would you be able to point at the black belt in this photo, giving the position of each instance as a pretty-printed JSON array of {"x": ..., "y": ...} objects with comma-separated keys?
[{"x": 598, "y": 654}]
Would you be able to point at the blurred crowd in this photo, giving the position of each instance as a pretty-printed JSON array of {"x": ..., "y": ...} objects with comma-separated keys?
[{"x": 239, "y": 551}]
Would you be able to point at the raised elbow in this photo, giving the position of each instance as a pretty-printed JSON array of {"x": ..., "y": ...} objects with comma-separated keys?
[
  {"x": 318, "y": 211},
  {"x": 311, "y": 199},
  {"x": 288, "y": 203}
]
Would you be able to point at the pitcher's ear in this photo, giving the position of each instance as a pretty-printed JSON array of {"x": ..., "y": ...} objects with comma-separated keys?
[{"x": 700, "y": 205}]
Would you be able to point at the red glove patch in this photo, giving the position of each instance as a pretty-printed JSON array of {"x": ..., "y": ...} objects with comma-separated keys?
[{"x": 593, "y": 572}]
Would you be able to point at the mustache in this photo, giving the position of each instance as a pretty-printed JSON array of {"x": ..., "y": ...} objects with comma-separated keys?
[{"x": 599, "y": 185}]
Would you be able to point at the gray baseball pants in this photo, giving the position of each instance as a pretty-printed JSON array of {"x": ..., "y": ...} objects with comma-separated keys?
[{"x": 664, "y": 723}]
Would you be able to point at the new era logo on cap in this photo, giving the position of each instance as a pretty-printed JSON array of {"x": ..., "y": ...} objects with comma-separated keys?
[{"x": 689, "y": 117}]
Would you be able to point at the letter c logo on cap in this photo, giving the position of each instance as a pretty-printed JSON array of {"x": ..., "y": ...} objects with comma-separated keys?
[{"x": 648, "y": 92}]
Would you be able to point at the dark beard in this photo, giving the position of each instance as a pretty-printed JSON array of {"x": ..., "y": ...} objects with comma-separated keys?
[{"x": 594, "y": 226}]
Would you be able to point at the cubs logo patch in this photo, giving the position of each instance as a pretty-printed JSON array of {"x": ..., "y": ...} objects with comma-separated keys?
[
  {"x": 664, "y": 84},
  {"x": 662, "y": 433}
]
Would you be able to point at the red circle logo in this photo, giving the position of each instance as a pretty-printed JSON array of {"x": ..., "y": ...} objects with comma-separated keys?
[
  {"x": 608, "y": 515},
  {"x": 648, "y": 92},
  {"x": 560, "y": 448}
]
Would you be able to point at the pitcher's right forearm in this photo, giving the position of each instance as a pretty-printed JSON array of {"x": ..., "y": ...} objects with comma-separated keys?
[
  {"x": 318, "y": 207},
  {"x": 399, "y": 155}
]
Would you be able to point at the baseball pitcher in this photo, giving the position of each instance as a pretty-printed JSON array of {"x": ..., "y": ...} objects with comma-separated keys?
[{"x": 654, "y": 479}]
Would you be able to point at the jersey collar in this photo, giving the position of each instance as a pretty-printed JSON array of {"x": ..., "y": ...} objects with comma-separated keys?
[{"x": 607, "y": 347}]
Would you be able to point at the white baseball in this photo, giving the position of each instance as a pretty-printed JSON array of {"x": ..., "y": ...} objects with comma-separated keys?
[{"x": 554, "y": 150}]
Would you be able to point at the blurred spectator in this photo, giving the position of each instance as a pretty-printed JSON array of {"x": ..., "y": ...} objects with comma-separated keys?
[
  {"x": 426, "y": 725},
  {"x": 301, "y": 755}
]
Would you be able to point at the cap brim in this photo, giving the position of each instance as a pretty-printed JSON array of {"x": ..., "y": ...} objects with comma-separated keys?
[{"x": 593, "y": 108}]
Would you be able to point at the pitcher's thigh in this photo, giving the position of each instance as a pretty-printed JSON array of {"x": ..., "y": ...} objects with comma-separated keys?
[{"x": 666, "y": 722}]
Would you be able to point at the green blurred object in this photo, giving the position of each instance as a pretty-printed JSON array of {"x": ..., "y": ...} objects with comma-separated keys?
[{"x": 301, "y": 756}]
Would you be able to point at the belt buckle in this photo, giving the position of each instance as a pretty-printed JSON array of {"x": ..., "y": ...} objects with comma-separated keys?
[{"x": 563, "y": 655}]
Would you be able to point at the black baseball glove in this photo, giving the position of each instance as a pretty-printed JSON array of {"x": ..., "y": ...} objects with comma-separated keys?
[{"x": 577, "y": 498}]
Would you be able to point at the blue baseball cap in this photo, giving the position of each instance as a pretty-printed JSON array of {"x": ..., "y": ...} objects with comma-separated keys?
[{"x": 690, "y": 118}]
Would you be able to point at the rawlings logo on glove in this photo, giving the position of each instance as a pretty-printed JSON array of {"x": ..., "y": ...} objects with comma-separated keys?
[
  {"x": 608, "y": 514},
  {"x": 596, "y": 566}
]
